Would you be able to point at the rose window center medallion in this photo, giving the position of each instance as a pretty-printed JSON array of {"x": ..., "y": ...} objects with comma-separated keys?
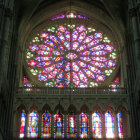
[{"x": 70, "y": 56}]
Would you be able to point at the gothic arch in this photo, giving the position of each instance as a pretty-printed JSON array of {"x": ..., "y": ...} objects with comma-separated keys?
[
  {"x": 110, "y": 108},
  {"x": 97, "y": 108},
  {"x": 46, "y": 107},
  {"x": 33, "y": 107},
  {"x": 84, "y": 108},
  {"x": 59, "y": 109},
  {"x": 72, "y": 109}
]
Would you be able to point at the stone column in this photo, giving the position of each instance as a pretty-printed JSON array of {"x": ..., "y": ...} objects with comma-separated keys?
[
  {"x": 135, "y": 24},
  {"x": 5, "y": 47},
  {"x": 77, "y": 125},
  {"x": 26, "y": 124},
  {"x": 2, "y": 11},
  {"x": 65, "y": 125},
  {"x": 90, "y": 125},
  {"x": 103, "y": 125},
  {"x": 16, "y": 123},
  {"x": 52, "y": 125},
  {"x": 39, "y": 123}
]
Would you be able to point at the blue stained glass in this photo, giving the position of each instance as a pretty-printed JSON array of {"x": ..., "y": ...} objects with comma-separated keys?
[
  {"x": 46, "y": 125},
  {"x": 22, "y": 124},
  {"x": 120, "y": 125}
]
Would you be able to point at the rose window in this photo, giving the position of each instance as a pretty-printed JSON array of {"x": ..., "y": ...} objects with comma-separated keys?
[{"x": 70, "y": 56}]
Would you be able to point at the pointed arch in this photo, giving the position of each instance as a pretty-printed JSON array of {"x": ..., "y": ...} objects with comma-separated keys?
[
  {"x": 84, "y": 108},
  {"x": 72, "y": 109},
  {"x": 59, "y": 109},
  {"x": 46, "y": 108},
  {"x": 97, "y": 108}
]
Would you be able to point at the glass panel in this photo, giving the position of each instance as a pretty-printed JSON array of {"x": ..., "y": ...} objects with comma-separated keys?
[
  {"x": 84, "y": 125},
  {"x": 71, "y": 126},
  {"x": 46, "y": 125},
  {"x": 109, "y": 124},
  {"x": 22, "y": 124},
  {"x": 33, "y": 124},
  {"x": 58, "y": 126},
  {"x": 120, "y": 126},
  {"x": 96, "y": 125}
]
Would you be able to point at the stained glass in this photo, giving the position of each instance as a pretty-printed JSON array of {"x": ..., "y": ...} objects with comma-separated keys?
[
  {"x": 71, "y": 126},
  {"x": 58, "y": 17},
  {"x": 33, "y": 124},
  {"x": 22, "y": 124},
  {"x": 120, "y": 125},
  {"x": 96, "y": 125},
  {"x": 84, "y": 125},
  {"x": 27, "y": 83},
  {"x": 109, "y": 125},
  {"x": 46, "y": 125},
  {"x": 69, "y": 15},
  {"x": 74, "y": 51},
  {"x": 58, "y": 126},
  {"x": 115, "y": 85}
]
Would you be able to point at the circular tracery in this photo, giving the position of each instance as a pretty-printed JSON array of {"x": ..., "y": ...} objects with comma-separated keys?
[{"x": 71, "y": 56}]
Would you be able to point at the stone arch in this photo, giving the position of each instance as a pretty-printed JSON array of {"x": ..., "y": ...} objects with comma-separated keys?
[
  {"x": 59, "y": 109},
  {"x": 97, "y": 108},
  {"x": 110, "y": 108},
  {"x": 84, "y": 108},
  {"x": 122, "y": 108},
  {"x": 46, "y": 108},
  {"x": 72, "y": 109},
  {"x": 33, "y": 107}
]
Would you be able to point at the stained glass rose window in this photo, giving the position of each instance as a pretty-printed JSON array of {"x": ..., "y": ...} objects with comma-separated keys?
[{"x": 70, "y": 55}]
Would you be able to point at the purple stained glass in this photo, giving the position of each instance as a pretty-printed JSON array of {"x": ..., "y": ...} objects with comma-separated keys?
[{"x": 70, "y": 56}]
